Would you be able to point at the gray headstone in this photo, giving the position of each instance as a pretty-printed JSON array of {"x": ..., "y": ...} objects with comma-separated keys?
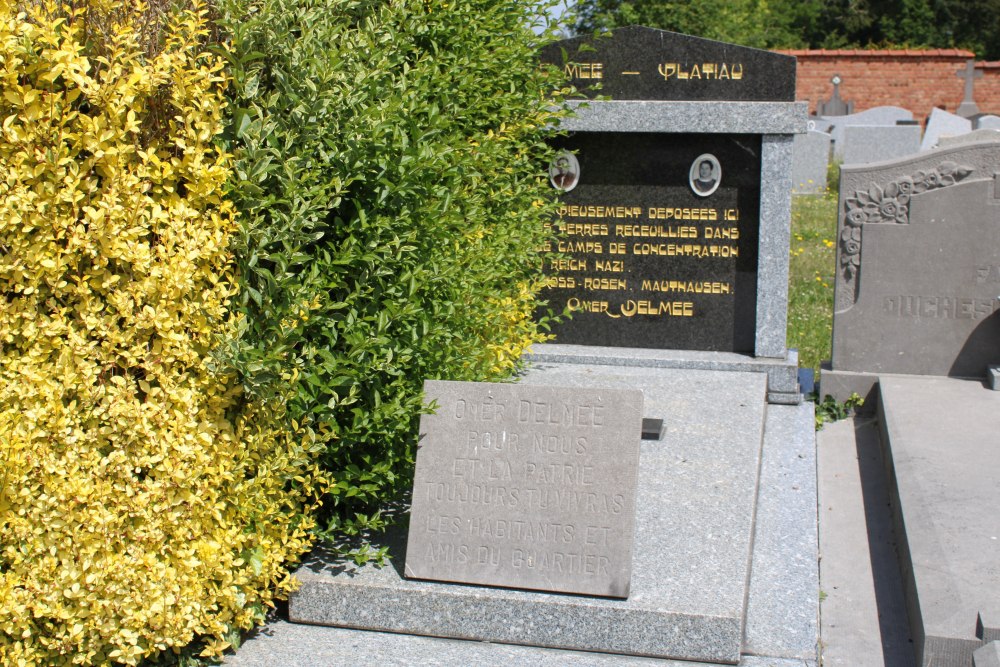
[
  {"x": 993, "y": 377},
  {"x": 865, "y": 144},
  {"x": 526, "y": 487},
  {"x": 943, "y": 124},
  {"x": 919, "y": 265},
  {"x": 884, "y": 115},
  {"x": 988, "y": 122},
  {"x": 970, "y": 138},
  {"x": 810, "y": 159}
]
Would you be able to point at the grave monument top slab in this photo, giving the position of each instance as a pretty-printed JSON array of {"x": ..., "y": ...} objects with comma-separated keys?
[{"x": 638, "y": 63}]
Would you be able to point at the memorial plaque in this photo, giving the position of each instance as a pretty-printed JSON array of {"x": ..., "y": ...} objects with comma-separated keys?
[
  {"x": 526, "y": 487},
  {"x": 658, "y": 242},
  {"x": 638, "y": 63}
]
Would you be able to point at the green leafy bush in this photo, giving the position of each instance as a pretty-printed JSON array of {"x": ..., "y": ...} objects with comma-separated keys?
[{"x": 390, "y": 161}]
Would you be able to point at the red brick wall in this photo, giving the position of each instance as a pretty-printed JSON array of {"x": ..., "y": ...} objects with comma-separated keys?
[{"x": 918, "y": 80}]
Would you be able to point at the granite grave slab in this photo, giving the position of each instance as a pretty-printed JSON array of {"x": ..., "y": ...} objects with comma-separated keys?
[
  {"x": 526, "y": 487},
  {"x": 939, "y": 437},
  {"x": 695, "y": 509},
  {"x": 918, "y": 267}
]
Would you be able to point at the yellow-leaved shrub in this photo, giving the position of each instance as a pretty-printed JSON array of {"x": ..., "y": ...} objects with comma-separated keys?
[{"x": 144, "y": 503}]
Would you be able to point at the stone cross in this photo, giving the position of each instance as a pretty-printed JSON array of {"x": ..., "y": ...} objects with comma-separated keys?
[
  {"x": 834, "y": 106},
  {"x": 968, "y": 106}
]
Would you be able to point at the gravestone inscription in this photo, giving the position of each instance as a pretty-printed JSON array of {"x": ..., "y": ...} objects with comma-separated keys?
[
  {"x": 645, "y": 258},
  {"x": 658, "y": 234},
  {"x": 638, "y": 63},
  {"x": 526, "y": 487}
]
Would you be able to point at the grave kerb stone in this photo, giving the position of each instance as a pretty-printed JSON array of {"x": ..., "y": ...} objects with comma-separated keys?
[
  {"x": 777, "y": 122},
  {"x": 973, "y": 137}
]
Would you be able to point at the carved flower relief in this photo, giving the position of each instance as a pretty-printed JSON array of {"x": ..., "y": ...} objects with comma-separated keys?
[
  {"x": 850, "y": 258},
  {"x": 890, "y": 204}
]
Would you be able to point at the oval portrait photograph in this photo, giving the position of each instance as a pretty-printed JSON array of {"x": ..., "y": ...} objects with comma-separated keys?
[
  {"x": 564, "y": 172},
  {"x": 705, "y": 174}
]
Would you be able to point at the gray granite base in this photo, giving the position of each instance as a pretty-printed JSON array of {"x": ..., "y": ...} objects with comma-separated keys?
[
  {"x": 782, "y": 373},
  {"x": 987, "y": 655},
  {"x": 283, "y": 644},
  {"x": 841, "y": 384},
  {"x": 940, "y": 438},
  {"x": 993, "y": 377},
  {"x": 696, "y": 505}
]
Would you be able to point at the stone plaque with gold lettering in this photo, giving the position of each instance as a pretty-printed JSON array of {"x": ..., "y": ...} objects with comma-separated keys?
[
  {"x": 526, "y": 487},
  {"x": 639, "y": 63},
  {"x": 657, "y": 242}
]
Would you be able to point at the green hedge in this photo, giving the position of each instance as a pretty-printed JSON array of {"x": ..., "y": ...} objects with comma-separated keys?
[{"x": 390, "y": 160}]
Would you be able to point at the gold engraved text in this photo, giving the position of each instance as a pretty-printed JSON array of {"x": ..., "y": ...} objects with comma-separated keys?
[
  {"x": 702, "y": 71},
  {"x": 584, "y": 70}
]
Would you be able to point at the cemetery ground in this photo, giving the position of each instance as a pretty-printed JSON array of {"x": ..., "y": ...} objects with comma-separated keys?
[{"x": 810, "y": 282}]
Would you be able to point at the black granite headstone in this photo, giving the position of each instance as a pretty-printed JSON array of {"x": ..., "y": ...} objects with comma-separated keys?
[
  {"x": 658, "y": 232},
  {"x": 637, "y": 63}
]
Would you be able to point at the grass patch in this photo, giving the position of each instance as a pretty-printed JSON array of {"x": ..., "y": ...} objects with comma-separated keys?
[{"x": 811, "y": 273}]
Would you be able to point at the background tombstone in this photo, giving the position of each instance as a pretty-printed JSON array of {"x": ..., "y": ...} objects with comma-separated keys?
[
  {"x": 943, "y": 124},
  {"x": 810, "y": 160},
  {"x": 968, "y": 108},
  {"x": 875, "y": 143},
  {"x": 988, "y": 122},
  {"x": 876, "y": 116},
  {"x": 918, "y": 269},
  {"x": 834, "y": 106}
]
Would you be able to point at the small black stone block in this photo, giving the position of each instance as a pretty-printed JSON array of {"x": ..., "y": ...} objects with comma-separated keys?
[{"x": 652, "y": 429}]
